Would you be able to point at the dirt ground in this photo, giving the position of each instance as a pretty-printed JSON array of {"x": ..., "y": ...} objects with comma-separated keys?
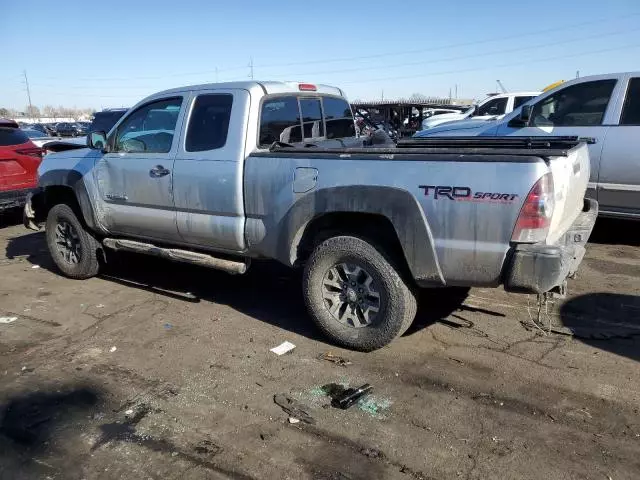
[{"x": 163, "y": 371}]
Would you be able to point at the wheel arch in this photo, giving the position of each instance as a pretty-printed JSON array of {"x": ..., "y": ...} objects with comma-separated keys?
[
  {"x": 64, "y": 186},
  {"x": 384, "y": 214}
]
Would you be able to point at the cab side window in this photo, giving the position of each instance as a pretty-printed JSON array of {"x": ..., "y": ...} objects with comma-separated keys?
[
  {"x": 580, "y": 105},
  {"x": 497, "y": 106},
  {"x": 209, "y": 122},
  {"x": 631, "y": 108},
  {"x": 150, "y": 128},
  {"x": 521, "y": 101}
]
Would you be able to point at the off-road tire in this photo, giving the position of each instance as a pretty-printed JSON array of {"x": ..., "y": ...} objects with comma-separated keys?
[
  {"x": 397, "y": 297},
  {"x": 88, "y": 264}
]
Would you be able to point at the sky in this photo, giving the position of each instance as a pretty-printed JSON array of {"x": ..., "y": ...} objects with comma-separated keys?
[{"x": 114, "y": 53}]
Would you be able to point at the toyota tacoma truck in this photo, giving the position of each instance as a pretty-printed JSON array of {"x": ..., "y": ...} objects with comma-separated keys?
[{"x": 221, "y": 174}]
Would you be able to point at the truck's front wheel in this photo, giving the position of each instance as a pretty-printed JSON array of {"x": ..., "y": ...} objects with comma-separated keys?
[
  {"x": 73, "y": 249},
  {"x": 355, "y": 295}
]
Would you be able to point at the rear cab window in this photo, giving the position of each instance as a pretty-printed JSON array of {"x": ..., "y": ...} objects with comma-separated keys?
[
  {"x": 298, "y": 118},
  {"x": 338, "y": 117}
]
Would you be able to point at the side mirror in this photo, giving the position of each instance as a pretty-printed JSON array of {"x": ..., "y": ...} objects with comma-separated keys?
[
  {"x": 97, "y": 140},
  {"x": 523, "y": 119},
  {"x": 474, "y": 111}
]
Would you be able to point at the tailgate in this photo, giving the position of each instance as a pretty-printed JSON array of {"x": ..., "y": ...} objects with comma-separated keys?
[{"x": 570, "y": 178}]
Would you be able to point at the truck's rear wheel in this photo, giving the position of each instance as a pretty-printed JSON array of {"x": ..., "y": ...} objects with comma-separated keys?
[
  {"x": 73, "y": 249},
  {"x": 355, "y": 295}
]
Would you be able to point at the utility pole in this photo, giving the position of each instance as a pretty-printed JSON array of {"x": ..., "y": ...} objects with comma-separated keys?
[
  {"x": 456, "y": 91},
  {"x": 577, "y": 73},
  {"x": 382, "y": 95},
  {"x": 26, "y": 81},
  {"x": 251, "y": 68}
]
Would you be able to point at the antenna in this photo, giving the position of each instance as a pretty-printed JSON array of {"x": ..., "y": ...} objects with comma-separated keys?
[
  {"x": 251, "y": 68},
  {"x": 504, "y": 90},
  {"x": 26, "y": 81}
]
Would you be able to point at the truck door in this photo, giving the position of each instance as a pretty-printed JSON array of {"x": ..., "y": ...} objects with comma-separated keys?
[
  {"x": 135, "y": 178},
  {"x": 584, "y": 109},
  {"x": 619, "y": 181},
  {"x": 208, "y": 174}
]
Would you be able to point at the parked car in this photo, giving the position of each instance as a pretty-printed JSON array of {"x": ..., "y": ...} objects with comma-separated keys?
[
  {"x": 491, "y": 108},
  {"x": 82, "y": 128},
  {"x": 605, "y": 109},
  {"x": 105, "y": 119},
  {"x": 19, "y": 160},
  {"x": 42, "y": 128},
  {"x": 75, "y": 129},
  {"x": 51, "y": 127},
  {"x": 38, "y": 137},
  {"x": 200, "y": 175}
]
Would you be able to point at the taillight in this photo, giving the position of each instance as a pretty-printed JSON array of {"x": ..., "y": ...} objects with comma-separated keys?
[
  {"x": 535, "y": 215},
  {"x": 31, "y": 151}
]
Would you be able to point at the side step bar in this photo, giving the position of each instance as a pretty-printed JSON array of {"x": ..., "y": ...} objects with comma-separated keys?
[{"x": 233, "y": 267}]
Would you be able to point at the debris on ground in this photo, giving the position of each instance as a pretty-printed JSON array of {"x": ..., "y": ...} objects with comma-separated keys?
[
  {"x": 351, "y": 396},
  {"x": 283, "y": 348},
  {"x": 168, "y": 326},
  {"x": 35, "y": 266},
  {"x": 113, "y": 349},
  {"x": 8, "y": 319},
  {"x": 374, "y": 406},
  {"x": 330, "y": 357},
  {"x": 294, "y": 408},
  {"x": 293, "y": 420},
  {"x": 372, "y": 453}
]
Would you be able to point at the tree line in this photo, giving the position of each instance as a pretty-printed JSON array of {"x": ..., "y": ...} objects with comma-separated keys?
[{"x": 48, "y": 111}]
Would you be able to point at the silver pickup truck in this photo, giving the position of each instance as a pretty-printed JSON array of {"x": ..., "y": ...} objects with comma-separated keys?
[{"x": 221, "y": 174}]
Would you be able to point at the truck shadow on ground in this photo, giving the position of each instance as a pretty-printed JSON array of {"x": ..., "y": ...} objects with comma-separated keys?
[
  {"x": 33, "y": 423},
  {"x": 613, "y": 231},
  {"x": 607, "y": 321},
  {"x": 269, "y": 292},
  {"x": 10, "y": 218}
]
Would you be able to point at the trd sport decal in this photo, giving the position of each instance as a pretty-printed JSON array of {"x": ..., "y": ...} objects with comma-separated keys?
[{"x": 464, "y": 194}]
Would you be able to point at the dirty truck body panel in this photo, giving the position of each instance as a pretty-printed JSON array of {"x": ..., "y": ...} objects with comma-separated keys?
[{"x": 452, "y": 208}]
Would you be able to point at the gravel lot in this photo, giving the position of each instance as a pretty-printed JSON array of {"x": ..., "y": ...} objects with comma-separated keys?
[{"x": 163, "y": 371}]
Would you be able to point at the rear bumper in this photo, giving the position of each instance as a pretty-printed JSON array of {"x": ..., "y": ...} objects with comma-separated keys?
[
  {"x": 14, "y": 198},
  {"x": 541, "y": 268}
]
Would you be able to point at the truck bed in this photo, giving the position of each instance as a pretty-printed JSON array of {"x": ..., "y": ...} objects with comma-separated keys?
[
  {"x": 495, "y": 148},
  {"x": 458, "y": 196}
]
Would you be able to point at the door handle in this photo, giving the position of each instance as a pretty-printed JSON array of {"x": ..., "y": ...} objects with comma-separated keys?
[{"x": 159, "y": 171}]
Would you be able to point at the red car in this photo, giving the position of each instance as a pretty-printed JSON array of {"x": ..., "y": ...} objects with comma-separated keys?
[{"x": 19, "y": 161}]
